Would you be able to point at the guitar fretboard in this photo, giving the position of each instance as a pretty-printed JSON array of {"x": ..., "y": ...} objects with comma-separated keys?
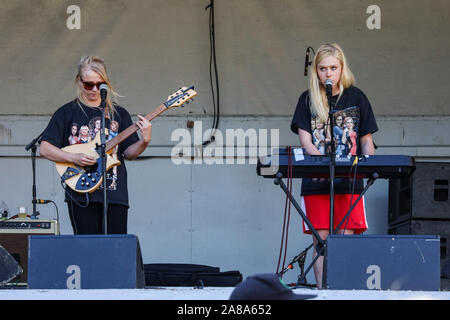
[{"x": 133, "y": 128}]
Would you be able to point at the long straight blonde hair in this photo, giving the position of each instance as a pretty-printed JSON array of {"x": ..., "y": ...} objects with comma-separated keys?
[
  {"x": 97, "y": 65},
  {"x": 319, "y": 104}
]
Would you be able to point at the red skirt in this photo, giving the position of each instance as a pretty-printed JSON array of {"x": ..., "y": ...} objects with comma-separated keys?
[{"x": 317, "y": 210}]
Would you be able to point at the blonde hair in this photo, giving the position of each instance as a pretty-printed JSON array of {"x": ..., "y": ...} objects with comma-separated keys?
[
  {"x": 318, "y": 99},
  {"x": 97, "y": 65}
]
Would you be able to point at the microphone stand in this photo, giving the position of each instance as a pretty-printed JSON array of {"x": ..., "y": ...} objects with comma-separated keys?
[
  {"x": 32, "y": 145},
  {"x": 332, "y": 155},
  {"x": 103, "y": 159}
]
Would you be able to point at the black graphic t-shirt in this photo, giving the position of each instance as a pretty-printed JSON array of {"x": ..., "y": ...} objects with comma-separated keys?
[
  {"x": 76, "y": 123},
  {"x": 352, "y": 118}
]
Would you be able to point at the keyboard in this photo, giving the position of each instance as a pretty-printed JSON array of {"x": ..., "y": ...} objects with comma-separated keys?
[{"x": 312, "y": 166}]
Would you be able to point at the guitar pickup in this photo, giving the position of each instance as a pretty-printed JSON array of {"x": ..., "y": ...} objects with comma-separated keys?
[{"x": 70, "y": 172}]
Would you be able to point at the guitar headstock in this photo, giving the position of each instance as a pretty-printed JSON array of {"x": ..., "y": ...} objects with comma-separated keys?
[{"x": 180, "y": 97}]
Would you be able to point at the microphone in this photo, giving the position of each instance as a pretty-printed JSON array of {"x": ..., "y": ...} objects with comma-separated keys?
[
  {"x": 328, "y": 87},
  {"x": 103, "y": 91},
  {"x": 307, "y": 63}
]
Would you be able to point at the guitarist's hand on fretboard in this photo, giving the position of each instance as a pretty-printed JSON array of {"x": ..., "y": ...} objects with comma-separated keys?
[
  {"x": 146, "y": 128},
  {"x": 133, "y": 151}
]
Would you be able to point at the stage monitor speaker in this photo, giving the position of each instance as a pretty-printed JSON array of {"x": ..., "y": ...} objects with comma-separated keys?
[
  {"x": 9, "y": 267},
  {"x": 85, "y": 262},
  {"x": 427, "y": 227},
  {"x": 382, "y": 262},
  {"x": 423, "y": 195}
]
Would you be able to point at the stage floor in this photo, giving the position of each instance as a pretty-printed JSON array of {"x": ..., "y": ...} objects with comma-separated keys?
[{"x": 207, "y": 293}]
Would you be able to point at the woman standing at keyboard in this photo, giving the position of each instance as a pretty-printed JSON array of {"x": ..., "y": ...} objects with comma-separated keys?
[{"x": 330, "y": 63}]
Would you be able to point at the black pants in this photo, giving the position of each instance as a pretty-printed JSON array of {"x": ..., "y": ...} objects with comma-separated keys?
[{"x": 89, "y": 220}]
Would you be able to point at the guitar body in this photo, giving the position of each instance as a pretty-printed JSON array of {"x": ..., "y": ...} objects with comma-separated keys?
[{"x": 85, "y": 179}]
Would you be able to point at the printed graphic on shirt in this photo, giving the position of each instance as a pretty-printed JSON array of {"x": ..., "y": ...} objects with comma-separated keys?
[
  {"x": 345, "y": 132},
  {"x": 87, "y": 133}
]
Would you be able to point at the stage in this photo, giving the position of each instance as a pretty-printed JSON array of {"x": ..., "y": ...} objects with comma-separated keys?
[
  {"x": 208, "y": 293},
  {"x": 196, "y": 195}
]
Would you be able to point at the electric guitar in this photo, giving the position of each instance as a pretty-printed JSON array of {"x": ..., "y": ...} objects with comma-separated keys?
[{"x": 89, "y": 178}]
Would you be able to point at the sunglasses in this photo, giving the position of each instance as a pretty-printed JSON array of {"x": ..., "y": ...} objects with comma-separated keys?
[{"x": 89, "y": 85}]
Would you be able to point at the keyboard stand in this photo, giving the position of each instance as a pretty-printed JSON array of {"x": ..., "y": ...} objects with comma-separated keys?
[
  {"x": 369, "y": 183},
  {"x": 321, "y": 243}
]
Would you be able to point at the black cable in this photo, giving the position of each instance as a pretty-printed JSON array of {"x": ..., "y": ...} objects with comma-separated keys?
[
  {"x": 351, "y": 185},
  {"x": 72, "y": 199},
  {"x": 287, "y": 213},
  {"x": 213, "y": 64},
  {"x": 289, "y": 208},
  {"x": 54, "y": 203},
  {"x": 56, "y": 207},
  {"x": 211, "y": 58},
  {"x": 72, "y": 219}
]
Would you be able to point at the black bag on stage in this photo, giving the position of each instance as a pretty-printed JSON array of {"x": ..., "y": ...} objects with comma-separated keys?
[{"x": 188, "y": 275}]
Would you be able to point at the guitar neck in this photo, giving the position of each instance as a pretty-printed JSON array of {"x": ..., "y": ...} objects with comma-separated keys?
[{"x": 133, "y": 128}]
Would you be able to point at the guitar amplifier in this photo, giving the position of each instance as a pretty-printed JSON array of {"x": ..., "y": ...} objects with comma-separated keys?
[
  {"x": 29, "y": 226},
  {"x": 14, "y": 236}
]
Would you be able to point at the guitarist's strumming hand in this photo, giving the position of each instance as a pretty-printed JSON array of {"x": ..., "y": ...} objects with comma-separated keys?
[
  {"x": 56, "y": 154},
  {"x": 83, "y": 160}
]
